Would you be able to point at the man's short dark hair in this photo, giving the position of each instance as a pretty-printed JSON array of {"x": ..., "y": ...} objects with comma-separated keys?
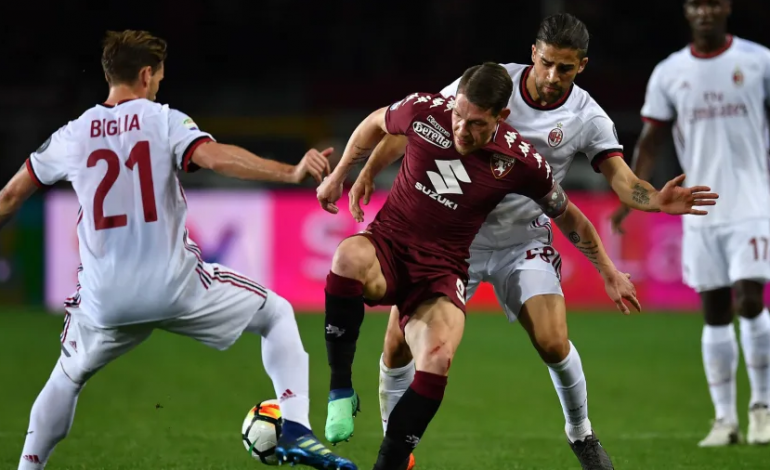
[
  {"x": 564, "y": 31},
  {"x": 488, "y": 86},
  {"x": 127, "y": 52}
]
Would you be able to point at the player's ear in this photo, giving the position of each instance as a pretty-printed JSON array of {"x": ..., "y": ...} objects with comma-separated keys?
[
  {"x": 504, "y": 113},
  {"x": 534, "y": 49},
  {"x": 583, "y": 63},
  {"x": 145, "y": 75}
]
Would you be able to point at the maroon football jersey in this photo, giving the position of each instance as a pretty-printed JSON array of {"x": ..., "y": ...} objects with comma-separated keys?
[{"x": 441, "y": 198}]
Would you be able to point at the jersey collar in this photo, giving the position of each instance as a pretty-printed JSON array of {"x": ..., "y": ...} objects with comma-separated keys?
[
  {"x": 532, "y": 103},
  {"x": 118, "y": 103},
  {"x": 712, "y": 54}
]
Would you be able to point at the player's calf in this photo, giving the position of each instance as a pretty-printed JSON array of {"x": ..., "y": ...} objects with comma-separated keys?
[
  {"x": 395, "y": 353},
  {"x": 50, "y": 420},
  {"x": 755, "y": 342},
  {"x": 396, "y": 368},
  {"x": 434, "y": 334},
  {"x": 355, "y": 272},
  {"x": 354, "y": 268}
]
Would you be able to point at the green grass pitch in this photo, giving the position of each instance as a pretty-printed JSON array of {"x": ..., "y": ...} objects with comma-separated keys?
[{"x": 175, "y": 404}]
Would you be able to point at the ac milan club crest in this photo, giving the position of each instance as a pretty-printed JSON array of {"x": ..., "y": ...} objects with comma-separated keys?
[
  {"x": 738, "y": 77},
  {"x": 556, "y": 136},
  {"x": 501, "y": 164}
]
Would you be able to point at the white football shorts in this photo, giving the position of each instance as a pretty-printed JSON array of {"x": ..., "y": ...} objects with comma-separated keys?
[
  {"x": 229, "y": 305},
  {"x": 716, "y": 257},
  {"x": 517, "y": 273}
]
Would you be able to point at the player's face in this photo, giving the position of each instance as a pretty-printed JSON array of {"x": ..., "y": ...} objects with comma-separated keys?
[
  {"x": 472, "y": 126},
  {"x": 554, "y": 70},
  {"x": 707, "y": 16}
]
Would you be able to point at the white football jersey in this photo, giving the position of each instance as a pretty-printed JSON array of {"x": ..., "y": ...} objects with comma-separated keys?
[
  {"x": 138, "y": 265},
  {"x": 574, "y": 125},
  {"x": 717, "y": 104}
]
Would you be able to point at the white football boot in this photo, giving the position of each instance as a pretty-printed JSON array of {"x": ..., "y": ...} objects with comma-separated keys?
[
  {"x": 759, "y": 425},
  {"x": 722, "y": 434}
]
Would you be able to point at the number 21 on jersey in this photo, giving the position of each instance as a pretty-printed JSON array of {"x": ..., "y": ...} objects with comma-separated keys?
[{"x": 139, "y": 159}]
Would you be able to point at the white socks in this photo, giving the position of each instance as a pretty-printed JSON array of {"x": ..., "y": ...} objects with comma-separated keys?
[
  {"x": 570, "y": 384},
  {"x": 755, "y": 342},
  {"x": 393, "y": 384},
  {"x": 50, "y": 420},
  {"x": 286, "y": 361},
  {"x": 567, "y": 376},
  {"x": 720, "y": 360}
]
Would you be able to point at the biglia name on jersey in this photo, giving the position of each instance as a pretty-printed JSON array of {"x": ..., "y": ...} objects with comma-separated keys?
[{"x": 107, "y": 128}]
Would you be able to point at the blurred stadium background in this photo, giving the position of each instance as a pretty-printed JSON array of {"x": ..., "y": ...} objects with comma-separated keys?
[{"x": 279, "y": 77}]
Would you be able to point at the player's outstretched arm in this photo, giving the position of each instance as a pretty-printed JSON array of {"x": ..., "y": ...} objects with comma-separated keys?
[
  {"x": 635, "y": 193},
  {"x": 13, "y": 195},
  {"x": 581, "y": 232},
  {"x": 647, "y": 148},
  {"x": 390, "y": 149},
  {"x": 237, "y": 162},
  {"x": 360, "y": 145}
]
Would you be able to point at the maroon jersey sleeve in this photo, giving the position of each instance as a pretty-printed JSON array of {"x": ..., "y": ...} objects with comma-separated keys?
[{"x": 401, "y": 114}]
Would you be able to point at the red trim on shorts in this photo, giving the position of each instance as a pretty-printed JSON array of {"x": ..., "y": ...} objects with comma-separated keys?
[
  {"x": 254, "y": 291},
  {"x": 67, "y": 319},
  {"x": 202, "y": 277},
  {"x": 240, "y": 281}
]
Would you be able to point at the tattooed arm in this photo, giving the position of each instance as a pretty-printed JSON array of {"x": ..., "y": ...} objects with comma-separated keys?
[
  {"x": 13, "y": 195},
  {"x": 581, "y": 232},
  {"x": 577, "y": 228},
  {"x": 632, "y": 191},
  {"x": 361, "y": 143}
]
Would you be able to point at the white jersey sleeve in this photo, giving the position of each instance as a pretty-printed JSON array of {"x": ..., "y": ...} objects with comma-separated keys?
[
  {"x": 451, "y": 89},
  {"x": 658, "y": 106},
  {"x": 600, "y": 141},
  {"x": 767, "y": 77},
  {"x": 184, "y": 137},
  {"x": 50, "y": 163}
]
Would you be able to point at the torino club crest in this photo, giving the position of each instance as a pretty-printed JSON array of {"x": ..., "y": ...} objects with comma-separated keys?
[
  {"x": 556, "y": 136},
  {"x": 501, "y": 164}
]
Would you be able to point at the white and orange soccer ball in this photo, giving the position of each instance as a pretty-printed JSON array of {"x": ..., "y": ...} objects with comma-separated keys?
[{"x": 261, "y": 431}]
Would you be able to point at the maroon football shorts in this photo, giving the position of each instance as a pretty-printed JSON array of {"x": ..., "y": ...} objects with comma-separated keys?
[{"x": 415, "y": 276}]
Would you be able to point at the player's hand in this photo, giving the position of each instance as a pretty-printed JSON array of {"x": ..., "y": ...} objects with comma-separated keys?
[
  {"x": 675, "y": 200},
  {"x": 618, "y": 217},
  {"x": 329, "y": 192},
  {"x": 315, "y": 164},
  {"x": 619, "y": 288},
  {"x": 363, "y": 188}
]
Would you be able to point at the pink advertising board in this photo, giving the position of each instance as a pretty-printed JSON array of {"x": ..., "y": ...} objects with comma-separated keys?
[{"x": 284, "y": 240}]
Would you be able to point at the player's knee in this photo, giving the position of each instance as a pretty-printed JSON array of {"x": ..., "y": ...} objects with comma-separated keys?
[
  {"x": 396, "y": 353},
  {"x": 71, "y": 376},
  {"x": 281, "y": 308},
  {"x": 353, "y": 258},
  {"x": 553, "y": 346},
  {"x": 749, "y": 305}
]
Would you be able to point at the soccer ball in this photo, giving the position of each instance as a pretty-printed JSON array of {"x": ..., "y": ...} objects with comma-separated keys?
[{"x": 261, "y": 431}]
